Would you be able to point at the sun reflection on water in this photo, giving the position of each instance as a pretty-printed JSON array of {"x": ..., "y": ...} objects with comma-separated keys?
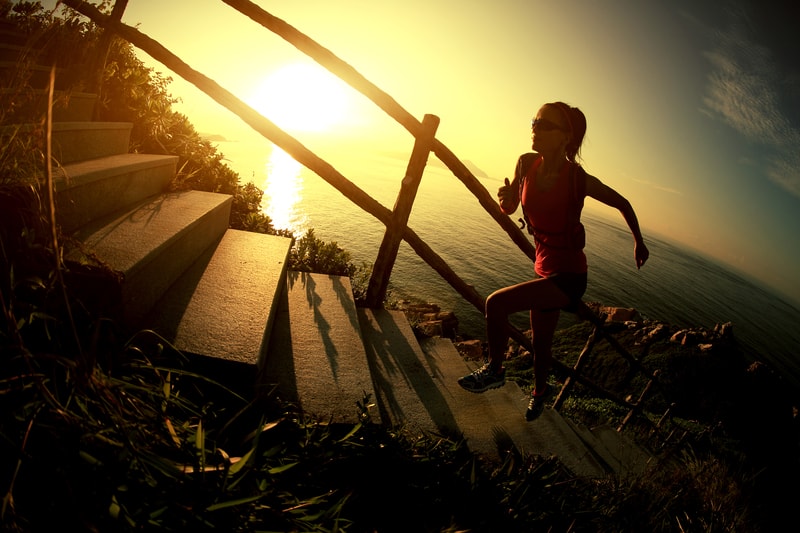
[{"x": 283, "y": 189}]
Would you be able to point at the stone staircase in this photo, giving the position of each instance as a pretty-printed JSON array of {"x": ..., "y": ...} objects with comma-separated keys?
[{"x": 227, "y": 300}]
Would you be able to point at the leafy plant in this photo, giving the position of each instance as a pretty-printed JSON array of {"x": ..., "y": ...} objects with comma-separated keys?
[
  {"x": 311, "y": 254},
  {"x": 134, "y": 93}
]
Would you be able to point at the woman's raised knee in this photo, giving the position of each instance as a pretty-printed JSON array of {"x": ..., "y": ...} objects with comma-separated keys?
[{"x": 494, "y": 305}]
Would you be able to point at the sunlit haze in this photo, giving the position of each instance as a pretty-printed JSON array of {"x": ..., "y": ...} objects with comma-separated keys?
[
  {"x": 692, "y": 107},
  {"x": 302, "y": 97}
]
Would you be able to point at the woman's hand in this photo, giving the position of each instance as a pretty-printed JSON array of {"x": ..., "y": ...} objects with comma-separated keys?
[
  {"x": 505, "y": 192},
  {"x": 641, "y": 253}
]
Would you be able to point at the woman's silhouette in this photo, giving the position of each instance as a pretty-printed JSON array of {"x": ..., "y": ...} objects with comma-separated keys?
[{"x": 551, "y": 186}]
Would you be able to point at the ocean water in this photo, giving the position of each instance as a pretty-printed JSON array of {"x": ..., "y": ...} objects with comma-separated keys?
[{"x": 676, "y": 285}]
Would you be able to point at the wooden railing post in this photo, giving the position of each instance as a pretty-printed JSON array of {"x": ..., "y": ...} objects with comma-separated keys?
[
  {"x": 387, "y": 254},
  {"x": 583, "y": 358}
]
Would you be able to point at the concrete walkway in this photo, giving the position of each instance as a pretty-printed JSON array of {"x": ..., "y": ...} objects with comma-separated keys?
[{"x": 327, "y": 356}]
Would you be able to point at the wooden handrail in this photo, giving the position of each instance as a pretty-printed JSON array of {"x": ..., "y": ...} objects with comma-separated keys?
[
  {"x": 389, "y": 105},
  {"x": 395, "y": 221},
  {"x": 289, "y": 144}
]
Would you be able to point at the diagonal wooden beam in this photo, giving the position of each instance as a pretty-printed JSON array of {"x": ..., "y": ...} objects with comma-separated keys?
[{"x": 390, "y": 106}]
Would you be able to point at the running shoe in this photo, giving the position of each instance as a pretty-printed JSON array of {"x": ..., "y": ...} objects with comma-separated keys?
[
  {"x": 483, "y": 379},
  {"x": 537, "y": 403}
]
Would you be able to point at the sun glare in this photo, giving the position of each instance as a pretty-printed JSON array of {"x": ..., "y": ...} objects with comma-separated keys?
[
  {"x": 283, "y": 191},
  {"x": 302, "y": 97}
]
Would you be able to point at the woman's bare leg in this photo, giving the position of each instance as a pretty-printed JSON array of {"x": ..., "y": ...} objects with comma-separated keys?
[
  {"x": 543, "y": 327},
  {"x": 536, "y": 295}
]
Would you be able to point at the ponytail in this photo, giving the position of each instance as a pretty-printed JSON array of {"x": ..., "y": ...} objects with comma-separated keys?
[{"x": 577, "y": 128}]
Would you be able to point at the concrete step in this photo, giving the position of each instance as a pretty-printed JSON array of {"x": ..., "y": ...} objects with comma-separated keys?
[
  {"x": 324, "y": 362},
  {"x": 405, "y": 379},
  {"x": 595, "y": 452},
  {"x": 13, "y": 50},
  {"x": 83, "y": 141},
  {"x": 80, "y": 141},
  {"x": 632, "y": 459},
  {"x": 416, "y": 389},
  {"x": 621, "y": 455},
  {"x": 16, "y": 74},
  {"x": 11, "y": 34},
  {"x": 222, "y": 309},
  {"x": 30, "y": 106},
  {"x": 316, "y": 358},
  {"x": 493, "y": 421},
  {"x": 153, "y": 243},
  {"x": 89, "y": 190}
]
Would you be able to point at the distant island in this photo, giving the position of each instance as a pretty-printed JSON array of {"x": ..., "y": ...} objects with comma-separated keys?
[{"x": 214, "y": 137}]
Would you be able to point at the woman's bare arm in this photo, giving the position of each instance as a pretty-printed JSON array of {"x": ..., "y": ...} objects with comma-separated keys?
[{"x": 605, "y": 194}]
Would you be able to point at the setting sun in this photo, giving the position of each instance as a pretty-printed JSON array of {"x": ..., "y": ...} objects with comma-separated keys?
[{"x": 302, "y": 97}]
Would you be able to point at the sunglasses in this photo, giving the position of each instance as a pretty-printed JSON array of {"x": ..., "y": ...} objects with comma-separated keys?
[{"x": 545, "y": 125}]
